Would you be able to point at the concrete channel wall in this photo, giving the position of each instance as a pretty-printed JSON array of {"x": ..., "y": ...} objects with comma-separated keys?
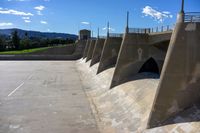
[
  {"x": 148, "y": 105},
  {"x": 90, "y": 50},
  {"x": 134, "y": 53},
  {"x": 179, "y": 85},
  {"x": 97, "y": 51},
  {"x": 110, "y": 53},
  {"x": 86, "y": 48}
]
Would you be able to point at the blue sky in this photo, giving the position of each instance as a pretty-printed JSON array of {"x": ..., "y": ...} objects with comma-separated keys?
[{"x": 68, "y": 16}]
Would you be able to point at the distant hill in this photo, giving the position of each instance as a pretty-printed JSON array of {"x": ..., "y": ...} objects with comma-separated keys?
[{"x": 38, "y": 34}]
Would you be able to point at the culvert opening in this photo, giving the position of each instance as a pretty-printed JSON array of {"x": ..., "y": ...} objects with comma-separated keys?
[{"x": 150, "y": 66}]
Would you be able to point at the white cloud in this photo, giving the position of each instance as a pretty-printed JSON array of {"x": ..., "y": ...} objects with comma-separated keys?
[
  {"x": 5, "y": 24},
  {"x": 39, "y": 13},
  {"x": 43, "y": 22},
  {"x": 158, "y": 16},
  {"x": 14, "y": 12},
  {"x": 27, "y": 21},
  {"x": 39, "y": 8},
  {"x": 26, "y": 18},
  {"x": 86, "y": 23},
  {"x": 110, "y": 29},
  {"x": 48, "y": 30}
]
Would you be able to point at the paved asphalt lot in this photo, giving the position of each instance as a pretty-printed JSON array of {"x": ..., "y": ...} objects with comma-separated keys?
[{"x": 43, "y": 97}]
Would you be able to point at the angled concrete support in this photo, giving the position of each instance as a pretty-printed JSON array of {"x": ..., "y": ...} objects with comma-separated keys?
[
  {"x": 179, "y": 86},
  {"x": 90, "y": 50},
  {"x": 86, "y": 49},
  {"x": 110, "y": 53},
  {"x": 97, "y": 51},
  {"x": 134, "y": 52}
]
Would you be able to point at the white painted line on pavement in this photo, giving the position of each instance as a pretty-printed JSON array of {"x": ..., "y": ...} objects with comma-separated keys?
[{"x": 15, "y": 89}]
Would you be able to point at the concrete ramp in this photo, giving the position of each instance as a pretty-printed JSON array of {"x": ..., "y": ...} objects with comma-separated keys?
[
  {"x": 136, "y": 56},
  {"x": 86, "y": 49},
  {"x": 97, "y": 51},
  {"x": 90, "y": 50},
  {"x": 179, "y": 85},
  {"x": 110, "y": 53}
]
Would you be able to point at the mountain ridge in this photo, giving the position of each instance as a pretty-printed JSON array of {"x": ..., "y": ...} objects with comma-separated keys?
[{"x": 38, "y": 34}]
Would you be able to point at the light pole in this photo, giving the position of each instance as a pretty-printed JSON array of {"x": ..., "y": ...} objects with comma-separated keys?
[
  {"x": 127, "y": 23},
  {"x": 181, "y": 15},
  {"x": 98, "y": 34},
  {"x": 108, "y": 29}
]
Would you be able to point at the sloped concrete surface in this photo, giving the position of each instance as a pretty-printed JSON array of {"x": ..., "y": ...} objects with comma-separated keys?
[{"x": 126, "y": 108}]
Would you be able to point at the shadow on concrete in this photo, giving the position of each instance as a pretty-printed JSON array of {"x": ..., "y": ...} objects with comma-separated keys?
[{"x": 190, "y": 114}]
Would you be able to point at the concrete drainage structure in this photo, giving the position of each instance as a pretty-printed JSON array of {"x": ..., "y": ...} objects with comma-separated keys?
[
  {"x": 143, "y": 82},
  {"x": 125, "y": 97}
]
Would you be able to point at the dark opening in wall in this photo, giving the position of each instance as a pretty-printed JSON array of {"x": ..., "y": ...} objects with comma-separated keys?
[{"x": 150, "y": 66}]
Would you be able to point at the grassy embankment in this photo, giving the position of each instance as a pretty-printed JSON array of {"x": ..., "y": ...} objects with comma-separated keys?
[{"x": 27, "y": 51}]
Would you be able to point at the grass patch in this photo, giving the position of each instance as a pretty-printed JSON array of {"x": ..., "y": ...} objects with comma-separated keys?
[{"x": 27, "y": 51}]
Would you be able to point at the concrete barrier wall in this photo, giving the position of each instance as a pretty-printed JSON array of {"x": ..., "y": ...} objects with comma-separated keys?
[
  {"x": 179, "y": 85},
  {"x": 70, "y": 52},
  {"x": 134, "y": 52},
  {"x": 90, "y": 50},
  {"x": 110, "y": 53},
  {"x": 86, "y": 48},
  {"x": 159, "y": 37},
  {"x": 97, "y": 51}
]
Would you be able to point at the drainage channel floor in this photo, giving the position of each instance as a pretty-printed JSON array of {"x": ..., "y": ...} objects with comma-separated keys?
[{"x": 43, "y": 97}]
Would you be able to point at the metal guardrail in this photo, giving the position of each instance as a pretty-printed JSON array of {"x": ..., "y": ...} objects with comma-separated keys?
[
  {"x": 139, "y": 30},
  {"x": 192, "y": 17},
  {"x": 115, "y": 35},
  {"x": 151, "y": 30},
  {"x": 162, "y": 28},
  {"x": 102, "y": 37}
]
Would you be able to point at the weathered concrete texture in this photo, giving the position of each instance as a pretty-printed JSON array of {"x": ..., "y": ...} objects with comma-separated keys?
[
  {"x": 136, "y": 55},
  {"x": 86, "y": 48},
  {"x": 79, "y": 50},
  {"x": 90, "y": 50},
  {"x": 43, "y": 97},
  {"x": 110, "y": 53},
  {"x": 97, "y": 51},
  {"x": 126, "y": 108},
  {"x": 179, "y": 85},
  {"x": 155, "y": 38}
]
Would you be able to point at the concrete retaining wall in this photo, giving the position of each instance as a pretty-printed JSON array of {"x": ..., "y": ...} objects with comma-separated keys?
[
  {"x": 86, "y": 49},
  {"x": 179, "y": 85},
  {"x": 70, "y": 52},
  {"x": 134, "y": 52},
  {"x": 110, "y": 53},
  {"x": 90, "y": 50},
  {"x": 66, "y": 50},
  {"x": 97, "y": 51}
]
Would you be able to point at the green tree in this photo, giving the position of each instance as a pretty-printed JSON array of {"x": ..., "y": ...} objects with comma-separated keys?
[
  {"x": 15, "y": 39},
  {"x": 25, "y": 43},
  {"x": 1, "y": 44}
]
